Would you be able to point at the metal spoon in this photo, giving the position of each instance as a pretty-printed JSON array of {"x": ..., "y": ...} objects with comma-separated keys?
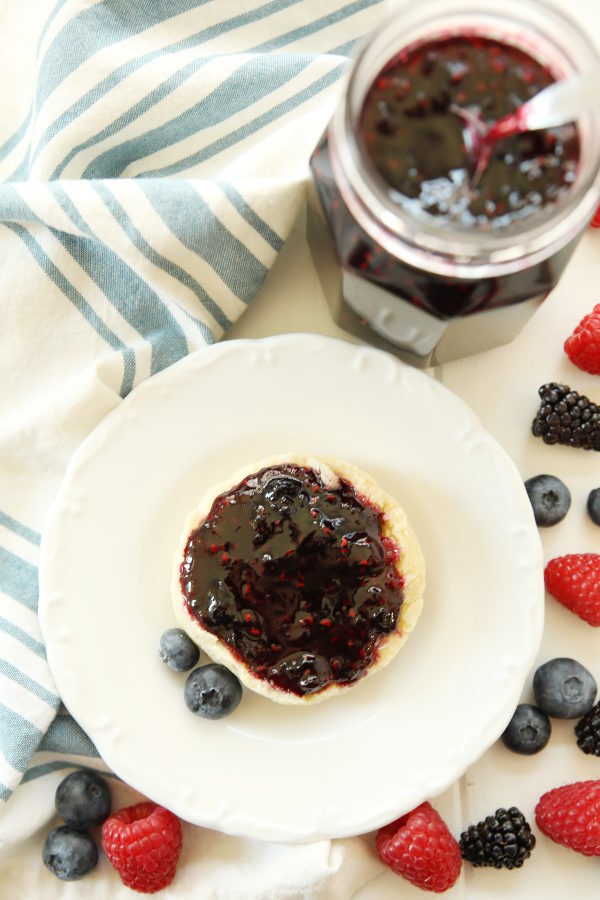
[{"x": 561, "y": 102}]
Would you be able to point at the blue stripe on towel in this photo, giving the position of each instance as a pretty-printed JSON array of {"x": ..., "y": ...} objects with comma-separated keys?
[
  {"x": 104, "y": 168},
  {"x": 252, "y": 217},
  {"x": 14, "y": 139},
  {"x": 18, "y": 528},
  {"x": 123, "y": 71},
  {"x": 97, "y": 27},
  {"x": 346, "y": 49},
  {"x": 65, "y": 736},
  {"x": 202, "y": 232},
  {"x": 24, "y": 680},
  {"x": 137, "y": 238},
  {"x": 130, "y": 115},
  {"x": 302, "y": 31},
  {"x": 16, "y": 136},
  {"x": 290, "y": 104},
  {"x": 23, "y": 637},
  {"x": 19, "y": 579},
  {"x": 18, "y": 738},
  {"x": 252, "y": 81},
  {"x": 133, "y": 297},
  {"x": 79, "y": 302},
  {"x": 86, "y": 33}
]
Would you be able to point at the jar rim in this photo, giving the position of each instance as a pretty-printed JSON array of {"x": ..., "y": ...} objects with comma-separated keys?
[{"x": 452, "y": 250}]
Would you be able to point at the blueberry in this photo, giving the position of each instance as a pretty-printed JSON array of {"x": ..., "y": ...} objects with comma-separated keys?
[
  {"x": 528, "y": 731},
  {"x": 178, "y": 650},
  {"x": 69, "y": 854},
  {"x": 550, "y": 499},
  {"x": 593, "y": 506},
  {"x": 564, "y": 688},
  {"x": 212, "y": 691},
  {"x": 83, "y": 800}
]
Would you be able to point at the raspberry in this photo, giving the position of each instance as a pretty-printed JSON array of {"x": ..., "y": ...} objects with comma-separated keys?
[
  {"x": 587, "y": 731},
  {"x": 574, "y": 580},
  {"x": 419, "y": 847},
  {"x": 570, "y": 815},
  {"x": 583, "y": 346},
  {"x": 143, "y": 842},
  {"x": 595, "y": 223},
  {"x": 566, "y": 417}
]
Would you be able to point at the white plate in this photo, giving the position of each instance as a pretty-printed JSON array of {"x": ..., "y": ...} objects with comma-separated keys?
[{"x": 354, "y": 762}]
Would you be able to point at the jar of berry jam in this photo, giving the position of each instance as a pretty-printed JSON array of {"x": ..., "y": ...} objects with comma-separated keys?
[{"x": 436, "y": 260}]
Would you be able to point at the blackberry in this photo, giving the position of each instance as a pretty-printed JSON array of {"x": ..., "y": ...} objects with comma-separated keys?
[
  {"x": 587, "y": 731},
  {"x": 567, "y": 417},
  {"x": 503, "y": 840}
]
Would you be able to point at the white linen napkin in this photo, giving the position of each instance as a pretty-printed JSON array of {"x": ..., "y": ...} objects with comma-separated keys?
[{"x": 153, "y": 159}]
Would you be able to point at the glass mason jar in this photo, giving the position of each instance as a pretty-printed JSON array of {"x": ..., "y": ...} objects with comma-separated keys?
[{"x": 433, "y": 286}]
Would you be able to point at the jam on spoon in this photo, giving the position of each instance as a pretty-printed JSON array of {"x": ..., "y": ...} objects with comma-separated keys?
[{"x": 560, "y": 103}]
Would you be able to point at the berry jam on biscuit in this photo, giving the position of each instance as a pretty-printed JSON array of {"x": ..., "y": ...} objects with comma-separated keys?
[{"x": 296, "y": 576}]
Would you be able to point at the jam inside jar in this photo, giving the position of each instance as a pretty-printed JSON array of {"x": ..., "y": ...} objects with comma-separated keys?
[
  {"x": 412, "y": 133},
  {"x": 423, "y": 240}
]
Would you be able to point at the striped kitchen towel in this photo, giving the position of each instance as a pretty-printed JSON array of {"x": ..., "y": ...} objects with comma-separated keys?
[{"x": 153, "y": 159}]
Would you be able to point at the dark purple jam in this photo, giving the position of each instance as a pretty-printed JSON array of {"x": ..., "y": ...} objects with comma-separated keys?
[
  {"x": 417, "y": 142},
  {"x": 295, "y": 577},
  {"x": 418, "y": 151}
]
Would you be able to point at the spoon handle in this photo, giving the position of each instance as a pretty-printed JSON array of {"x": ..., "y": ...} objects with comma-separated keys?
[{"x": 562, "y": 102}]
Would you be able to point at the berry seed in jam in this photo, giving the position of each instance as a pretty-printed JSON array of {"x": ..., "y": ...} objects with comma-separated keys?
[
  {"x": 295, "y": 577},
  {"x": 412, "y": 131}
]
